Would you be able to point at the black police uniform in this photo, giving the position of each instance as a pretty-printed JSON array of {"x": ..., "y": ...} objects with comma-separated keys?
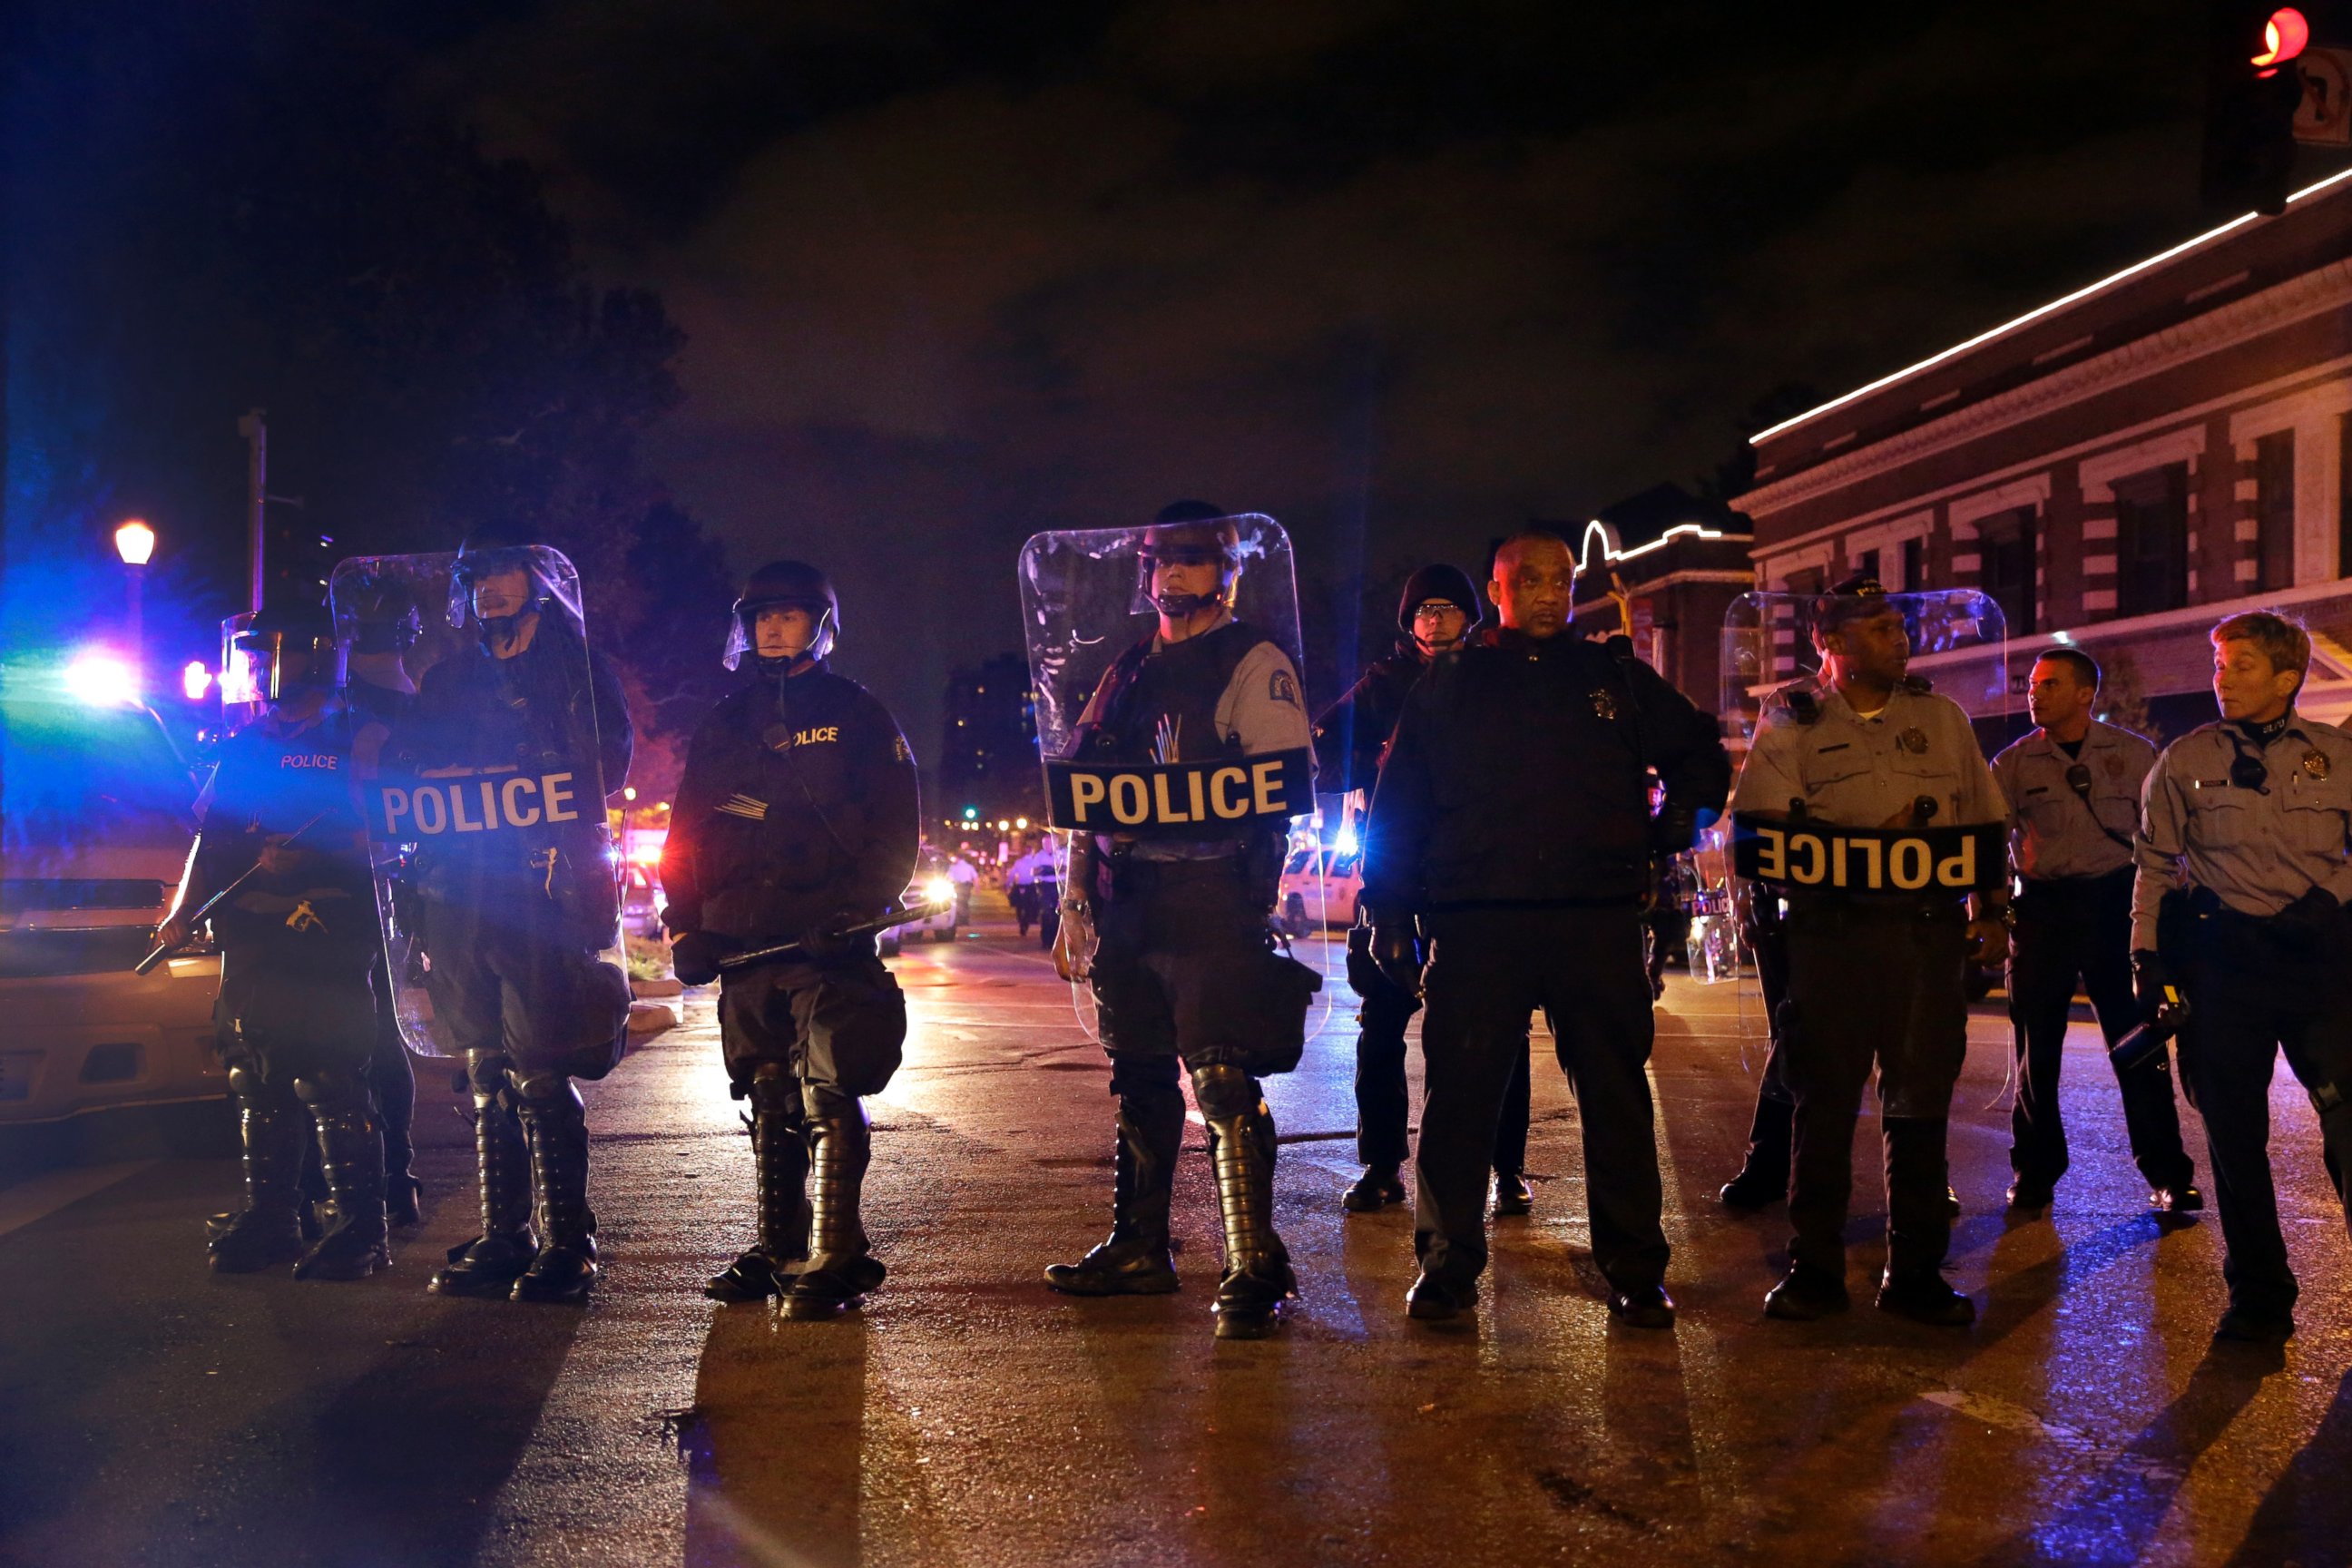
[
  {"x": 2244, "y": 861},
  {"x": 513, "y": 937},
  {"x": 798, "y": 815},
  {"x": 295, "y": 1021},
  {"x": 1183, "y": 972},
  {"x": 1350, "y": 739},
  {"x": 391, "y": 1078},
  {"x": 1513, "y": 818}
]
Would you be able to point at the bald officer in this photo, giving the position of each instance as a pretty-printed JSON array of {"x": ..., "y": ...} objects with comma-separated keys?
[
  {"x": 1876, "y": 978},
  {"x": 2073, "y": 787},
  {"x": 2245, "y": 860}
]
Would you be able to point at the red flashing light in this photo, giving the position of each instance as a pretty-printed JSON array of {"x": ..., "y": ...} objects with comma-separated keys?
[{"x": 2284, "y": 37}]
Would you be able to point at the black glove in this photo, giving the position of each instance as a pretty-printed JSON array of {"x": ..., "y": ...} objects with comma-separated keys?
[
  {"x": 825, "y": 945},
  {"x": 2150, "y": 983},
  {"x": 1396, "y": 950},
  {"x": 694, "y": 956}
]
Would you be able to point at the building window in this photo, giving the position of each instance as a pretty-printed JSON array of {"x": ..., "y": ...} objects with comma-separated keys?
[
  {"x": 2008, "y": 573},
  {"x": 2275, "y": 511},
  {"x": 1914, "y": 565},
  {"x": 2152, "y": 541},
  {"x": 2344, "y": 496}
]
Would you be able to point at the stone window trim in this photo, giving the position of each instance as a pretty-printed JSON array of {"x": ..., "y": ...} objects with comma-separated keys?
[
  {"x": 2097, "y": 476},
  {"x": 1773, "y": 574},
  {"x": 1966, "y": 512}
]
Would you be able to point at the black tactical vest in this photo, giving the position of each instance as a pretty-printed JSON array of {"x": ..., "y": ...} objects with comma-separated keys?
[{"x": 1170, "y": 696}]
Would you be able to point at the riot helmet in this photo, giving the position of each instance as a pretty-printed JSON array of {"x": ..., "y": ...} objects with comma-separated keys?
[
  {"x": 487, "y": 562},
  {"x": 279, "y": 651},
  {"x": 1192, "y": 533},
  {"x": 780, "y": 586}
]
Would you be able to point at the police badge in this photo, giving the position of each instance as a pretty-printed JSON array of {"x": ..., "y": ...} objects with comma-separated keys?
[
  {"x": 2314, "y": 764},
  {"x": 1914, "y": 741},
  {"x": 1604, "y": 703}
]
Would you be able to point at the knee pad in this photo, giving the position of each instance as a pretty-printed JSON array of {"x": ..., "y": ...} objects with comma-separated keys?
[
  {"x": 1142, "y": 1075},
  {"x": 2326, "y": 1097},
  {"x": 486, "y": 1075},
  {"x": 244, "y": 1077},
  {"x": 331, "y": 1088},
  {"x": 772, "y": 1090},
  {"x": 1224, "y": 1091},
  {"x": 544, "y": 1086}
]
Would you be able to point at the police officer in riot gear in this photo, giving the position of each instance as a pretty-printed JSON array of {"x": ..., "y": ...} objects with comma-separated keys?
[
  {"x": 2073, "y": 787},
  {"x": 1181, "y": 964},
  {"x": 1875, "y": 979},
  {"x": 2244, "y": 864},
  {"x": 1511, "y": 832},
  {"x": 797, "y": 816},
  {"x": 294, "y": 1022},
  {"x": 1436, "y": 615},
  {"x": 515, "y": 931}
]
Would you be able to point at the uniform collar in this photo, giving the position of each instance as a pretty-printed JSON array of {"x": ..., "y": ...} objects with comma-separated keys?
[{"x": 2097, "y": 738}]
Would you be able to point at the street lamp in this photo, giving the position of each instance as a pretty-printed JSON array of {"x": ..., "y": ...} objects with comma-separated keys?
[{"x": 135, "y": 543}]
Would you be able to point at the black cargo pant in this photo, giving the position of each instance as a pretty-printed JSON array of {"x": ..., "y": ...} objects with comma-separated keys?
[
  {"x": 1384, "y": 1103},
  {"x": 508, "y": 977},
  {"x": 837, "y": 1029},
  {"x": 1873, "y": 983},
  {"x": 2256, "y": 987},
  {"x": 2069, "y": 928},
  {"x": 1488, "y": 968}
]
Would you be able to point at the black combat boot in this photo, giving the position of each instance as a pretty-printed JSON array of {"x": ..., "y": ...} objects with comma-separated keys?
[
  {"x": 1135, "y": 1260},
  {"x": 555, "y": 1125},
  {"x": 779, "y": 1160},
  {"x": 266, "y": 1232},
  {"x": 490, "y": 1263},
  {"x": 350, "y": 1153},
  {"x": 1919, "y": 1227},
  {"x": 1513, "y": 1196},
  {"x": 839, "y": 1270},
  {"x": 1763, "y": 1179},
  {"x": 1257, "y": 1278},
  {"x": 1379, "y": 1186}
]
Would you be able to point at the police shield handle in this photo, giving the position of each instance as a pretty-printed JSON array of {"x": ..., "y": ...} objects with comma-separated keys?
[
  {"x": 1818, "y": 857},
  {"x": 1189, "y": 800},
  {"x": 1074, "y": 943}
]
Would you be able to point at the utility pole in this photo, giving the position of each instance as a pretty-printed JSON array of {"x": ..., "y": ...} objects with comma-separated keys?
[{"x": 254, "y": 428}]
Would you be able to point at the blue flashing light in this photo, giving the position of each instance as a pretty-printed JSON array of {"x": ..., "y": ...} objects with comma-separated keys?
[
  {"x": 1345, "y": 841},
  {"x": 971, "y": 814}
]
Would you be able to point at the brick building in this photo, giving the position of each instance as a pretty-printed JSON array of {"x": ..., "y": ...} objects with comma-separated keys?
[
  {"x": 2118, "y": 469},
  {"x": 1680, "y": 562}
]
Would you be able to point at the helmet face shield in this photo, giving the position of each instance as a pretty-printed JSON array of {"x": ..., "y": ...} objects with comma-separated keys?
[
  {"x": 1213, "y": 544},
  {"x": 278, "y": 663},
  {"x": 743, "y": 629},
  {"x": 506, "y": 580}
]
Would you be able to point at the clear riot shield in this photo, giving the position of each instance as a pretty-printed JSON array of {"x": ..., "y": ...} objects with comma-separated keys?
[
  {"x": 496, "y": 875},
  {"x": 1959, "y": 643},
  {"x": 1086, "y": 601},
  {"x": 240, "y": 676}
]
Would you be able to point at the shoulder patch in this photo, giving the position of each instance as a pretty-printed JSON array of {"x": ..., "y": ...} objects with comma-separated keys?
[{"x": 1280, "y": 686}]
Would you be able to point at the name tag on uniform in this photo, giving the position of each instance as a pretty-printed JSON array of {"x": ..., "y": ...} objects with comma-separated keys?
[
  {"x": 1801, "y": 856},
  {"x": 1180, "y": 799},
  {"x": 408, "y": 810}
]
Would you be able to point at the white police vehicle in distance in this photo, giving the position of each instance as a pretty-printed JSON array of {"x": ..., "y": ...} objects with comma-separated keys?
[
  {"x": 96, "y": 826},
  {"x": 931, "y": 885}
]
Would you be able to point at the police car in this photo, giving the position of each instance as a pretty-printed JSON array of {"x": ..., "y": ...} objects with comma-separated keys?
[
  {"x": 931, "y": 885},
  {"x": 95, "y": 827}
]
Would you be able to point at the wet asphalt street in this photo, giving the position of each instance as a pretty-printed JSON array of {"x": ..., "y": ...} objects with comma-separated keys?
[{"x": 153, "y": 1412}]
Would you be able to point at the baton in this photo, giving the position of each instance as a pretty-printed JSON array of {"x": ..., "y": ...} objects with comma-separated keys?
[
  {"x": 160, "y": 954},
  {"x": 897, "y": 915}
]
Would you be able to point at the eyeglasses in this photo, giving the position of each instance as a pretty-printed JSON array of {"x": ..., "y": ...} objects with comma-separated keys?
[{"x": 1429, "y": 609}]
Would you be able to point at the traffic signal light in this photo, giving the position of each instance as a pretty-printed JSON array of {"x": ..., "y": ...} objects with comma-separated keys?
[
  {"x": 2252, "y": 89},
  {"x": 296, "y": 557}
]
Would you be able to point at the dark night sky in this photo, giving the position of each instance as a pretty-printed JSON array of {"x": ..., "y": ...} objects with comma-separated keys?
[
  {"x": 1418, "y": 271},
  {"x": 1401, "y": 275}
]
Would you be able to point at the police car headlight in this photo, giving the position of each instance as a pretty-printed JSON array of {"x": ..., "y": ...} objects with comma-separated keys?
[{"x": 939, "y": 891}]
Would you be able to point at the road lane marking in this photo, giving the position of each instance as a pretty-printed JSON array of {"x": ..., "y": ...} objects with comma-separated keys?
[{"x": 28, "y": 1202}]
